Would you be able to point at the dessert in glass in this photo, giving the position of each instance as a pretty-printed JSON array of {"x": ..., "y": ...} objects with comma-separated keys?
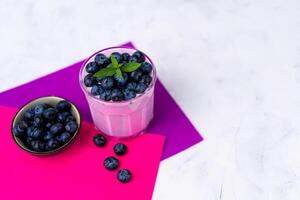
[{"x": 118, "y": 83}]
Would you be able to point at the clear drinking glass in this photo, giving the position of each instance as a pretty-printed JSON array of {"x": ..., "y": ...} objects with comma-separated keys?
[{"x": 125, "y": 118}]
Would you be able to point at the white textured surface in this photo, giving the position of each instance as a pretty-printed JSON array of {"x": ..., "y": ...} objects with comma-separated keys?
[{"x": 233, "y": 66}]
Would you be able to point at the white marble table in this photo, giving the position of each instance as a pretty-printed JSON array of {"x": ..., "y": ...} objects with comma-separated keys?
[{"x": 233, "y": 66}]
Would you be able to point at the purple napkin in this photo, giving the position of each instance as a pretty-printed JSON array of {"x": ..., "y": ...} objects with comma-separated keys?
[{"x": 169, "y": 120}]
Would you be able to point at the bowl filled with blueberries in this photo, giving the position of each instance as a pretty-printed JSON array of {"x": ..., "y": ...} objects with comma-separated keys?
[
  {"x": 46, "y": 125},
  {"x": 118, "y": 83}
]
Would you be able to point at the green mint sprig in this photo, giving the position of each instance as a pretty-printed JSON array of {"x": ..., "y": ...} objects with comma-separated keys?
[{"x": 116, "y": 68}]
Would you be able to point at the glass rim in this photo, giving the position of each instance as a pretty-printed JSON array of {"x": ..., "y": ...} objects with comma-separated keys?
[{"x": 85, "y": 89}]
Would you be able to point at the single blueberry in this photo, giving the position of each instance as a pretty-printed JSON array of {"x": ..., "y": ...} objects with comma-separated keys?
[
  {"x": 52, "y": 144},
  {"x": 71, "y": 127},
  {"x": 132, "y": 59},
  {"x": 102, "y": 60},
  {"x": 62, "y": 116},
  {"x": 37, "y": 145},
  {"x": 118, "y": 56},
  {"x": 131, "y": 86},
  {"x": 111, "y": 163},
  {"x": 63, "y": 105},
  {"x": 64, "y": 137},
  {"x": 139, "y": 55},
  {"x": 20, "y": 129},
  {"x": 70, "y": 118},
  {"x": 125, "y": 57},
  {"x": 136, "y": 75},
  {"x": 105, "y": 95},
  {"x": 38, "y": 121},
  {"x": 96, "y": 90},
  {"x": 107, "y": 82},
  {"x": 29, "y": 114},
  {"x": 141, "y": 87},
  {"x": 146, "y": 67},
  {"x": 119, "y": 81},
  {"x": 99, "y": 140},
  {"x": 92, "y": 67},
  {"x": 50, "y": 114},
  {"x": 129, "y": 94},
  {"x": 124, "y": 175},
  {"x": 116, "y": 95},
  {"x": 120, "y": 149},
  {"x": 56, "y": 128},
  {"x": 146, "y": 79},
  {"x": 35, "y": 132},
  {"x": 48, "y": 136},
  {"x": 89, "y": 80},
  {"x": 40, "y": 108}
]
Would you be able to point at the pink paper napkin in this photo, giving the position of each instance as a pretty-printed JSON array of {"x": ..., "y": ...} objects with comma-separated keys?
[{"x": 77, "y": 172}]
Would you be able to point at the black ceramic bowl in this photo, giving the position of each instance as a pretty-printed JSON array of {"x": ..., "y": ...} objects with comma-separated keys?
[{"x": 50, "y": 100}]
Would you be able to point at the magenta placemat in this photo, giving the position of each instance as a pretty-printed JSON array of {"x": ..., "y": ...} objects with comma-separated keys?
[{"x": 169, "y": 120}]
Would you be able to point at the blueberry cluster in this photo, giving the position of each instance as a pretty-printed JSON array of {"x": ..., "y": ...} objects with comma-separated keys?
[
  {"x": 45, "y": 128},
  {"x": 111, "y": 163},
  {"x": 113, "y": 87}
]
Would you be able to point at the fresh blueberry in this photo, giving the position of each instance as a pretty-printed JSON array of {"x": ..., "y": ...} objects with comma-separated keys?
[
  {"x": 63, "y": 106},
  {"x": 96, "y": 90},
  {"x": 132, "y": 59},
  {"x": 146, "y": 67},
  {"x": 56, "y": 128},
  {"x": 38, "y": 121},
  {"x": 119, "y": 81},
  {"x": 136, "y": 75},
  {"x": 107, "y": 82},
  {"x": 116, "y": 95},
  {"x": 102, "y": 60},
  {"x": 52, "y": 144},
  {"x": 105, "y": 95},
  {"x": 29, "y": 114},
  {"x": 40, "y": 108},
  {"x": 62, "y": 116},
  {"x": 92, "y": 67},
  {"x": 99, "y": 140},
  {"x": 37, "y": 145},
  {"x": 131, "y": 86},
  {"x": 64, "y": 137},
  {"x": 129, "y": 94},
  {"x": 118, "y": 56},
  {"x": 48, "y": 136},
  {"x": 71, "y": 127},
  {"x": 50, "y": 114},
  {"x": 125, "y": 57},
  {"x": 89, "y": 80},
  {"x": 70, "y": 118},
  {"x": 141, "y": 87},
  {"x": 120, "y": 149},
  {"x": 20, "y": 129},
  {"x": 111, "y": 163},
  {"x": 146, "y": 79},
  {"x": 17, "y": 132},
  {"x": 35, "y": 132},
  {"x": 124, "y": 175},
  {"x": 139, "y": 55}
]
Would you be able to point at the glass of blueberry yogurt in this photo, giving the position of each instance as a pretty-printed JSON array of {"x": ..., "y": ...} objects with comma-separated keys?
[{"x": 118, "y": 83}]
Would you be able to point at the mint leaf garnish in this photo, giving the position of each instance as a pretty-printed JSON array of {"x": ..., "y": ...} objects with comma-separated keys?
[
  {"x": 109, "y": 71},
  {"x": 130, "y": 67},
  {"x": 119, "y": 74},
  {"x": 114, "y": 61}
]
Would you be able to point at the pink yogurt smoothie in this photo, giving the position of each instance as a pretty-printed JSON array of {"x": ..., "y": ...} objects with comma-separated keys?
[{"x": 120, "y": 119}]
